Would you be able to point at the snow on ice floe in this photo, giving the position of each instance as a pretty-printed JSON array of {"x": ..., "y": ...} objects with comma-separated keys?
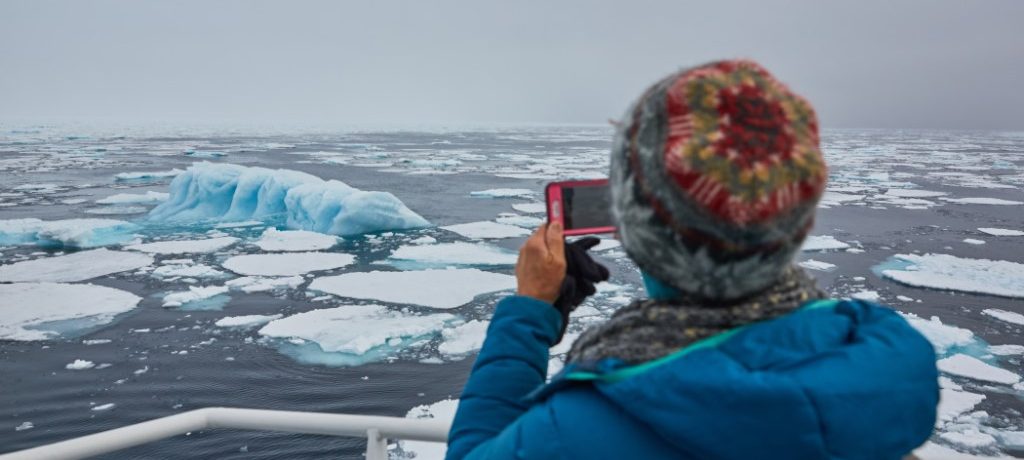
[
  {"x": 503, "y": 193},
  {"x": 411, "y": 257},
  {"x": 812, "y": 264},
  {"x": 185, "y": 246},
  {"x": 228, "y": 192},
  {"x": 530, "y": 208},
  {"x": 1006, "y": 350},
  {"x": 351, "y": 335},
  {"x": 422, "y": 450},
  {"x": 149, "y": 197},
  {"x": 194, "y": 295},
  {"x": 823, "y": 243},
  {"x": 973, "y": 241},
  {"x": 487, "y": 230},
  {"x": 186, "y": 269},
  {"x": 431, "y": 288},
  {"x": 287, "y": 264},
  {"x": 943, "y": 271},
  {"x": 983, "y": 200},
  {"x": 463, "y": 339},
  {"x": 250, "y": 284},
  {"x": 40, "y": 311},
  {"x": 245, "y": 321},
  {"x": 147, "y": 176},
  {"x": 1001, "y": 232},
  {"x": 943, "y": 337},
  {"x": 968, "y": 366},
  {"x": 1003, "y": 315},
  {"x": 80, "y": 365},
  {"x": 74, "y": 233},
  {"x": 78, "y": 266},
  {"x": 294, "y": 240},
  {"x": 509, "y": 218}
]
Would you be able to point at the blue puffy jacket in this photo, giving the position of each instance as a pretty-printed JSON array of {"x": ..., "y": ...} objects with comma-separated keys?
[{"x": 833, "y": 380}]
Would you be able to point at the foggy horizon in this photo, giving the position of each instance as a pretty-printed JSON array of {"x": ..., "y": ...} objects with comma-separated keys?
[{"x": 916, "y": 64}]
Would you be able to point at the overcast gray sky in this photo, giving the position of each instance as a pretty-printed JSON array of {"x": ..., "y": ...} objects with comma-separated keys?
[{"x": 928, "y": 63}]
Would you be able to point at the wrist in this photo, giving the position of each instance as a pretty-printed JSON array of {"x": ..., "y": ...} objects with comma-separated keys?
[{"x": 541, "y": 296}]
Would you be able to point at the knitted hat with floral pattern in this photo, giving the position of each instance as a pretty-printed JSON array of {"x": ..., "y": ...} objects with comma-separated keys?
[{"x": 715, "y": 175}]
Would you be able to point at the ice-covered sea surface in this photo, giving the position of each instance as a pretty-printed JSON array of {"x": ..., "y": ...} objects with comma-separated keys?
[{"x": 281, "y": 271}]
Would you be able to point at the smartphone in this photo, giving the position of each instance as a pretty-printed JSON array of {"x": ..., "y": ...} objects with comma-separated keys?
[{"x": 583, "y": 207}]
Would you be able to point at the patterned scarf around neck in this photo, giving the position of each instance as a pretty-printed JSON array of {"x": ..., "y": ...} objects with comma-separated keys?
[{"x": 649, "y": 329}]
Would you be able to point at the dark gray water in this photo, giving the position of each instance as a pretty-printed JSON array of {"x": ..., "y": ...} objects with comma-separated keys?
[{"x": 433, "y": 173}]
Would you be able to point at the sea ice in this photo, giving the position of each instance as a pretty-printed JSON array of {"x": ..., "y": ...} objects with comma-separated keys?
[
  {"x": 73, "y": 233},
  {"x": 1003, "y": 315},
  {"x": 117, "y": 210},
  {"x": 80, "y": 365},
  {"x": 229, "y": 192},
  {"x": 193, "y": 294},
  {"x": 78, "y": 266},
  {"x": 817, "y": 265},
  {"x": 1006, "y": 350},
  {"x": 487, "y": 230},
  {"x": 183, "y": 270},
  {"x": 186, "y": 246},
  {"x": 463, "y": 339},
  {"x": 245, "y": 321},
  {"x": 145, "y": 176},
  {"x": 530, "y": 208},
  {"x": 969, "y": 438},
  {"x": 360, "y": 333},
  {"x": 249, "y": 284},
  {"x": 992, "y": 201},
  {"x": 822, "y": 243},
  {"x": 294, "y": 240},
  {"x": 952, "y": 403},
  {"x": 913, "y": 193},
  {"x": 942, "y": 336},
  {"x": 866, "y": 295},
  {"x": 1001, "y": 232},
  {"x": 24, "y": 426},
  {"x": 39, "y": 311},
  {"x": 973, "y": 241},
  {"x": 943, "y": 271},
  {"x": 287, "y": 264},
  {"x": 974, "y": 368},
  {"x": 103, "y": 407},
  {"x": 422, "y": 450},
  {"x": 431, "y": 288},
  {"x": 503, "y": 193},
  {"x": 519, "y": 221},
  {"x": 445, "y": 254},
  {"x": 149, "y": 197}
]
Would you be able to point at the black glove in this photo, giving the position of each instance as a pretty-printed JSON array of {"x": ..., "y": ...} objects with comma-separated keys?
[{"x": 581, "y": 274}]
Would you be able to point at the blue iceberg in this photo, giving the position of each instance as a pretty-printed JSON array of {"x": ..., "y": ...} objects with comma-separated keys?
[{"x": 227, "y": 192}]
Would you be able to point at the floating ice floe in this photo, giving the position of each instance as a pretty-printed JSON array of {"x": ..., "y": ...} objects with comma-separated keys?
[
  {"x": 812, "y": 264},
  {"x": 40, "y": 311},
  {"x": 953, "y": 402},
  {"x": 250, "y": 284},
  {"x": 241, "y": 224},
  {"x": 822, "y": 243},
  {"x": 913, "y": 193},
  {"x": 24, "y": 426},
  {"x": 974, "y": 368},
  {"x": 1003, "y": 315},
  {"x": 413, "y": 257},
  {"x": 103, "y": 407},
  {"x": 74, "y": 233},
  {"x": 150, "y": 197},
  {"x": 78, "y": 266},
  {"x": 503, "y": 193},
  {"x": 117, "y": 210},
  {"x": 943, "y": 271},
  {"x": 1001, "y": 232},
  {"x": 1006, "y": 350},
  {"x": 530, "y": 208},
  {"x": 185, "y": 246},
  {"x": 294, "y": 240},
  {"x": 146, "y": 176},
  {"x": 287, "y": 264},
  {"x": 422, "y": 450},
  {"x": 487, "y": 230},
  {"x": 463, "y": 339},
  {"x": 229, "y": 192},
  {"x": 245, "y": 321},
  {"x": 519, "y": 221},
  {"x": 973, "y": 241},
  {"x": 982, "y": 200},
  {"x": 80, "y": 365},
  {"x": 186, "y": 270},
  {"x": 829, "y": 199},
  {"x": 194, "y": 294},
  {"x": 352, "y": 334},
  {"x": 431, "y": 288},
  {"x": 943, "y": 337},
  {"x": 866, "y": 295}
]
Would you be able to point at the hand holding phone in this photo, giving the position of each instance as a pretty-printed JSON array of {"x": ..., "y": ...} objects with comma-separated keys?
[{"x": 583, "y": 206}]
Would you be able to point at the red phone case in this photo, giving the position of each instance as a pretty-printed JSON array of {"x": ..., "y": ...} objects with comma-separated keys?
[{"x": 553, "y": 199}]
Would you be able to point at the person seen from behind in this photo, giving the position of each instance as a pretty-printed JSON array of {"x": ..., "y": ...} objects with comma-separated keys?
[{"x": 716, "y": 172}]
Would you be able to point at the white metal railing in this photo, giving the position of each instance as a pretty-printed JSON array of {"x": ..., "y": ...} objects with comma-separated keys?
[{"x": 375, "y": 429}]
